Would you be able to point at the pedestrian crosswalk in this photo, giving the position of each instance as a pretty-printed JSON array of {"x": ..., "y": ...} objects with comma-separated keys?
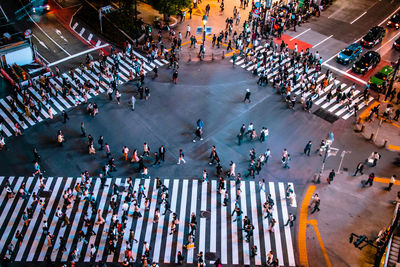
[
  {"x": 13, "y": 115},
  {"x": 339, "y": 109},
  {"x": 217, "y": 234}
]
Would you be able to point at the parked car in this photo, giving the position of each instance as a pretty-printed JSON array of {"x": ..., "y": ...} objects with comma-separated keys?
[
  {"x": 385, "y": 75},
  {"x": 367, "y": 62},
  {"x": 396, "y": 44},
  {"x": 373, "y": 37},
  {"x": 348, "y": 54},
  {"x": 394, "y": 21}
]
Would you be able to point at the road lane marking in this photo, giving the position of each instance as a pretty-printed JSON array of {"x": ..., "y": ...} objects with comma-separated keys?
[
  {"x": 75, "y": 25},
  {"x": 82, "y": 31},
  {"x": 300, "y": 34},
  {"x": 40, "y": 28},
  {"x": 40, "y": 41},
  {"x": 344, "y": 73},
  {"x": 388, "y": 42},
  {"x": 380, "y": 24},
  {"x": 98, "y": 43},
  {"x": 322, "y": 41},
  {"x": 2, "y": 11},
  {"x": 302, "y": 237},
  {"x": 365, "y": 12},
  {"x": 45, "y": 60},
  {"x": 77, "y": 55},
  {"x": 90, "y": 37},
  {"x": 314, "y": 223}
]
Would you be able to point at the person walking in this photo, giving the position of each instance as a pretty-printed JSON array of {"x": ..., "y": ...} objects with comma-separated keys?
[
  {"x": 359, "y": 169},
  {"x": 175, "y": 76},
  {"x": 205, "y": 176},
  {"x": 161, "y": 152},
  {"x": 317, "y": 202},
  {"x": 133, "y": 101},
  {"x": 83, "y": 129},
  {"x": 179, "y": 256},
  {"x": 181, "y": 157},
  {"x": 65, "y": 116},
  {"x": 291, "y": 219},
  {"x": 125, "y": 151},
  {"x": 100, "y": 142},
  {"x": 232, "y": 169},
  {"x": 247, "y": 96},
  {"x": 370, "y": 180},
  {"x": 392, "y": 181},
  {"x": 307, "y": 149},
  {"x": 331, "y": 176}
]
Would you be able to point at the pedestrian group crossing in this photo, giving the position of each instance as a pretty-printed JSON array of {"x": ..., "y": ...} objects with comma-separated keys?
[
  {"x": 330, "y": 106},
  {"x": 216, "y": 233},
  {"x": 59, "y": 103}
]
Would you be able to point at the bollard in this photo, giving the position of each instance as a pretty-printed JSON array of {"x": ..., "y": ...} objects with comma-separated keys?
[
  {"x": 372, "y": 137},
  {"x": 190, "y": 57},
  {"x": 212, "y": 56},
  {"x": 385, "y": 143},
  {"x": 362, "y": 128},
  {"x": 223, "y": 54}
]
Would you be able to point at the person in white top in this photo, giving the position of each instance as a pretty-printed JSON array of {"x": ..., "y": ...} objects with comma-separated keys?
[
  {"x": 125, "y": 151},
  {"x": 232, "y": 169},
  {"x": 187, "y": 31}
]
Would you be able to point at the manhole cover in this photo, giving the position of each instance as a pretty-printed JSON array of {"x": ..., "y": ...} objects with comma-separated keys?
[
  {"x": 210, "y": 256},
  {"x": 345, "y": 169},
  {"x": 205, "y": 214}
]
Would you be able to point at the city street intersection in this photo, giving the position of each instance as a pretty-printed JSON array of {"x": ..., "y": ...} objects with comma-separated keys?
[{"x": 213, "y": 92}]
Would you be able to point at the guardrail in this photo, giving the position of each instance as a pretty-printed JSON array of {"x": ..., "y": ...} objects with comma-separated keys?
[{"x": 389, "y": 246}]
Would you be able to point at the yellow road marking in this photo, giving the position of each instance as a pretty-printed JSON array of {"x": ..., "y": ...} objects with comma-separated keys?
[
  {"x": 392, "y": 147},
  {"x": 365, "y": 113},
  {"x": 303, "y": 226},
  {"x": 314, "y": 223},
  {"x": 302, "y": 237},
  {"x": 385, "y": 180}
]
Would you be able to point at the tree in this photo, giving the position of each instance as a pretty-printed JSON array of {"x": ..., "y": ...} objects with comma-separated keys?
[{"x": 170, "y": 7}]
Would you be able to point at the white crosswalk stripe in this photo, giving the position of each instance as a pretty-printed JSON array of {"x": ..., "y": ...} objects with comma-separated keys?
[
  {"x": 59, "y": 102},
  {"x": 336, "y": 108},
  {"x": 228, "y": 242}
]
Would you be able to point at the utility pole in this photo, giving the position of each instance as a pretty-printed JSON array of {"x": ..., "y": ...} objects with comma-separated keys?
[{"x": 390, "y": 89}]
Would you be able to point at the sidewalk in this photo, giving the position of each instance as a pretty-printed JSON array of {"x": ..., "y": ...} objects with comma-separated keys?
[
  {"x": 346, "y": 207},
  {"x": 385, "y": 133},
  {"x": 215, "y": 20}
]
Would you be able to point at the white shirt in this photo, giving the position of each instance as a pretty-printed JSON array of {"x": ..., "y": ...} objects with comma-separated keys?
[
  {"x": 188, "y": 28},
  {"x": 125, "y": 207}
]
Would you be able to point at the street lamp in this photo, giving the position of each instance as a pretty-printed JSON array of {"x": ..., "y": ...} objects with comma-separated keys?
[{"x": 204, "y": 28}]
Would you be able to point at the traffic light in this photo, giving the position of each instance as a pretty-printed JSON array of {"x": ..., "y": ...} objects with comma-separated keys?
[
  {"x": 149, "y": 29},
  {"x": 360, "y": 240}
]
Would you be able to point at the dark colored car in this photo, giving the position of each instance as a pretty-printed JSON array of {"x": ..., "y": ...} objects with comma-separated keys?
[
  {"x": 394, "y": 21},
  {"x": 368, "y": 61},
  {"x": 396, "y": 44},
  {"x": 373, "y": 37}
]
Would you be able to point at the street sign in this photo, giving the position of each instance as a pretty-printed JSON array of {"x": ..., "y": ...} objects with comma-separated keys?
[
  {"x": 208, "y": 30},
  {"x": 332, "y": 151},
  {"x": 199, "y": 30},
  {"x": 28, "y": 33},
  {"x": 257, "y": 4}
]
